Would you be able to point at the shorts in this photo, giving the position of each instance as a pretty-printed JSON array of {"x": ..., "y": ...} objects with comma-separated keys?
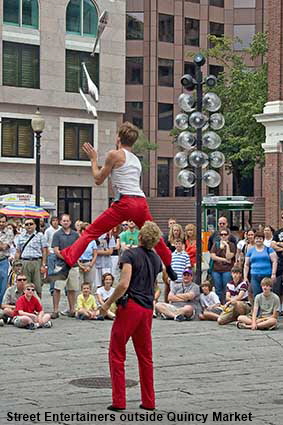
[
  {"x": 228, "y": 314},
  {"x": 72, "y": 283}
]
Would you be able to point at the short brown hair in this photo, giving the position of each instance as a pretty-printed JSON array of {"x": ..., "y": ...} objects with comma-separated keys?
[
  {"x": 208, "y": 284},
  {"x": 128, "y": 134},
  {"x": 236, "y": 269},
  {"x": 104, "y": 276},
  {"x": 266, "y": 281},
  {"x": 259, "y": 235},
  {"x": 28, "y": 285},
  {"x": 86, "y": 284}
]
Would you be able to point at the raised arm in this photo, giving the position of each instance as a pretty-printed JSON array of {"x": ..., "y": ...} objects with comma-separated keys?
[{"x": 100, "y": 173}]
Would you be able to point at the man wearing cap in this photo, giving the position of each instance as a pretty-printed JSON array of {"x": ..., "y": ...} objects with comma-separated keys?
[
  {"x": 10, "y": 298},
  {"x": 183, "y": 300}
]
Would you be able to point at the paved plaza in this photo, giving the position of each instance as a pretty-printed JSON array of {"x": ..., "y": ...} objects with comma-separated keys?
[{"x": 202, "y": 372}]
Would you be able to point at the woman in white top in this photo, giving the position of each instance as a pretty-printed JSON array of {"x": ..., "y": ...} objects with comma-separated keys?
[
  {"x": 104, "y": 292},
  {"x": 268, "y": 235}
]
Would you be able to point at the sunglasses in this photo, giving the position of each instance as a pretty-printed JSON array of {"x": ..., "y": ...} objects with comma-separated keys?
[
  {"x": 21, "y": 279},
  {"x": 223, "y": 234},
  {"x": 30, "y": 289},
  {"x": 124, "y": 224},
  {"x": 29, "y": 224}
]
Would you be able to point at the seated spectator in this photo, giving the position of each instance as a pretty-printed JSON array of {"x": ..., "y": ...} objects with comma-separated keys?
[
  {"x": 28, "y": 311},
  {"x": 86, "y": 308},
  {"x": 265, "y": 310},
  {"x": 237, "y": 298},
  {"x": 183, "y": 300},
  {"x": 16, "y": 269},
  {"x": 180, "y": 260},
  {"x": 210, "y": 303},
  {"x": 104, "y": 292},
  {"x": 11, "y": 296}
]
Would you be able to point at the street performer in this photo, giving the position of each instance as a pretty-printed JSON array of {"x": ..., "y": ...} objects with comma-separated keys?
[
  {"x": 129, "y": 202},
  {"x": 134, "y": 296}
]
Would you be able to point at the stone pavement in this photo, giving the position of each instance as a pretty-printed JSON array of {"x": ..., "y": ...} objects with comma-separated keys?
[{"x": 200, "y": 368}]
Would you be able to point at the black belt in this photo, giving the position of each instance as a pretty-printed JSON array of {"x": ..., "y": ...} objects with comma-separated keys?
[
  {"x": 84, "y": 261},
  {"x": 132, "y": 196},
  {"x": 32, "y": 259}
]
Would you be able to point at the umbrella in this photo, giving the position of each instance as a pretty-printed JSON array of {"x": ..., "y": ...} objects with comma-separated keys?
[{"x": 24, "y": 211}]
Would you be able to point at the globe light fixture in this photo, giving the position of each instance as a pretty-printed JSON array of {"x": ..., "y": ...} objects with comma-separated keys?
[
  {"x": 211, "y": 81},
  {"x": 211, "y": 102},
  {"x": 217, "y": 159},
  {"x": 181, "y": 160},
  {"x": 186, "y": 140},
  {"x": 186, "y": 102},
  {"x": 198, "y": 159},
  {"x": 216, "y": 121},
  {"x": 198, "y": 120},
  {"x": 181, "y": 121},
  {"x": 188, "y": 82},
  {"x": 186, "y": 178},
  {"x": 211, "y": 140},
  {"x": 211, "y": 178}
]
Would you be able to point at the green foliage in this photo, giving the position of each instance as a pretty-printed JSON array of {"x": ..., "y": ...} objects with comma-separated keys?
[
  {"x": 243, "y": 92},
  {"x": 141, "y": 148}
]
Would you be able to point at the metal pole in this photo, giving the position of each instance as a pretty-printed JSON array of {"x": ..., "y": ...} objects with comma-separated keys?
[
  {"x": 37, "y": 169},
  {"x": 199, "y": 180}
]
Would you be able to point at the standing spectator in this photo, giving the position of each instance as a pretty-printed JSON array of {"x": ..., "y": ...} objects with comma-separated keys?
[
  {"x": 277, "y": 245},
  {"x": 268, "y": 235},
  {"x": 32, "y": 250},
  {"x": 87, "y": 261},
  {"x": 63, "y": 238},
  {"x": 12, "y": 231},
  {"x": 16, "y": 269},
  {"x": 175, "y": 232},
  {"x": 215, "y": 237},
  {"x": 11, "y": 296},
  {"x": 105, "y": 246},
  {"x": 223, "y": 256},
  {"x": 191, "y": 243},
  {"x": 52, "y": 258},
  {"x": 129, "y": 238},
  {"x": 180, "y": 260},
  {"x": 249, "y": 243},
  {"x": 77, "y": 225},
  {"x": 115, "y": 232},
  {"x": 5, "y": 244},
  {"x": 171, "y": 222},
  {"x": 261, "y": 261}
]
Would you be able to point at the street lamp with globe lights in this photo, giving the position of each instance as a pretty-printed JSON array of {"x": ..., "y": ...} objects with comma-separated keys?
[
  {"x": 37, "y": 124},
  {"x": 196, "y": 135}
]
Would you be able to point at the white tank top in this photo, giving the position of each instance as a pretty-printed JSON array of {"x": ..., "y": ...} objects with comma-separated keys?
[{"x": 126, "y": 179}]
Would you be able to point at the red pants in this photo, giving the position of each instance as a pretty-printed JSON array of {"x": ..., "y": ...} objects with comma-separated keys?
[
  {"x": 127, "y": 208},
  {"x": 131, "y": 321}
]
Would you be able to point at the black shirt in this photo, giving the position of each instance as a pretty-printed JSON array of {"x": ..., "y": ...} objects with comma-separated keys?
[{"x": 145, "y": 267}]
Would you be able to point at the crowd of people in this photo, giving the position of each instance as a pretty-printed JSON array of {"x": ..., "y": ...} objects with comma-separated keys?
[{"x": 242, "y": 282}]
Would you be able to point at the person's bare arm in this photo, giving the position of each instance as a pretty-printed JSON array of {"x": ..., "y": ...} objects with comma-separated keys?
[
  {"x": 58, "y": 253},
  {"x": 100, "y": 174},
  {"x": 274, "y": 259},
  {"x": 277, "y": 246},
  {"x": 188, "y": 296},
  {"x": 246, "y": 268}
]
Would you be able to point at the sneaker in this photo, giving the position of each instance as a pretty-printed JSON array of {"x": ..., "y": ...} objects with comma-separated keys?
[
  {"x": 71, "y": 314},
  {"x": 163, "y": 316},
  {"x": 62, "y": 274},
  {"x": 180, "y": 318},
  {"x": 171, "y": 274},
  {"x": 48, "y": 324},
  {"x": 100, "y": 317},
  {"x": 32, "y": 326},
  {"x": 241, "y": 325},
  {"x": 9, "y": 320},
  {"x": 55, "y": 315},
  {"x": 1, "y": 322},
  {"x": 65, "y": 312}
]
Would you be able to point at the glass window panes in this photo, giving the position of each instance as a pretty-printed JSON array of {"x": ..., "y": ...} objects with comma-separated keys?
[
  {"x": 165, "y": 116},
  {"x": 166, "y": 28},
  {"x": 11, "y": 12},
  {"x": 217, "y": 29},
  {"x": 30, "y": 13},
  {"x": 244, "y": 4},
  {"x": 189, "y": 68},
  {"x": 75, "y": 201},
  {"x": 21, "y": 12},
  {"x": 193, "y": 1},
  {"x": 218, "y": 3},
  {"x": 75, "y": 135},
  {"x": 13, "y": 188},
  {"x": 215, "y": 69},
  {"x": 20, "y": 65},
  {"x": 17, "y": 138},
  {"x": 245, "y": 33},
  {"x": 165, "y": 72},
  {"x": 191, "y": 32},
  {"x": 134, "y": 70},
  {"x": 75, "y": 77},
  {"x": 163, "y": 176},
  {"x": 134, "y": 113},
  {"x": 81, "y": 17},
  {"x": 134, "y": 25}
]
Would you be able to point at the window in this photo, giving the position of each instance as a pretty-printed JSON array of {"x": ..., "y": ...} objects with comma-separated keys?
[
  {"x": 134, "y": 70},
  {"x": 13, "y": 188},
  {"x": 217, "y": 3},
  {"x": 245, "y": 33},
  {"x": 75, "y": 135},
  {"x": 75, "y": 77},
  {"x": 163, "y": 176},
  {"x": 215, "y": 69},
  {"x": 17, "y": 138},
  {"x": 244, "y": 3},
  {"x": 75, "y": 201},
  {"x": 134, "y": 113},
  {"x": 189, "y": 68},
  {"x": 134, "y": 25},
  {"x": 166, "y": 28},
  {"x": 193, "y": 1},
  {"x": 165, "y": 72},
  {"x": 81, "y": 18},
  {"x": 191, "y": 32},
  {"x": 23, "y": 13},
  {"x": 217, "y": 29},
  {"x": 165, "y": 116},
  {"x": 20, "y": 65}
]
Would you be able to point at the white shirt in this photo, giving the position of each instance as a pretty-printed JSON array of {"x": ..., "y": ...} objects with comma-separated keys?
[
  {"x": 49, "y": 236},
  {"x": 103, "y": 293},
  {"x": 209, "y": 299},
  {"x": 126, "y": 179}
]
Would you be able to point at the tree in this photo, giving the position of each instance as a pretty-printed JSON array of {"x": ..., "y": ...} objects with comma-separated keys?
[
  {"x": 141, "y": 149},
  {"x": 243, "y": 92}
]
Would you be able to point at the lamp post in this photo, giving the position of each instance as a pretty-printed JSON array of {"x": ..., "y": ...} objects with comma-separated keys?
[
  {"x": 37, "y": 124},
  {"x": 193, "y": 124}
]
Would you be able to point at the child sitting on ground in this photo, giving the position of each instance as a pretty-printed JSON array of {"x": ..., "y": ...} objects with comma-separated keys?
[
  {"x": 265, "y": 310},
  {"x": 237, "y": 298},
  {"x": 104, "y": 292},
  {"x": 86, "y": 308},
  {"x": 210, "y": 303}
]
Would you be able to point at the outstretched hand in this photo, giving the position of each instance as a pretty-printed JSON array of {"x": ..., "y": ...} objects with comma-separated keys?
[{"x": 90, "y": 151}]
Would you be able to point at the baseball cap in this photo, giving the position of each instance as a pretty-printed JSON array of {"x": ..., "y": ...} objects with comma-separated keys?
[{"x": 188, "y": 271}]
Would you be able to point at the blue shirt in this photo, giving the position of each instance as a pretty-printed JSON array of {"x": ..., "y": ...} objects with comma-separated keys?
[
  {"x": 88, "y": 254},
  {"x": 260, "y": 262}
]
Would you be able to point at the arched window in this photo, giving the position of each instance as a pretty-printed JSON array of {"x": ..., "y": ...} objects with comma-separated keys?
[
  {"x": 23, "y": 13},
  {"x": 81, "y": 18}
]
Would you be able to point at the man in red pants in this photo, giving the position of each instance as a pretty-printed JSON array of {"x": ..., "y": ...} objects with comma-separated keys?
[
  {"x": 134, "y": 296},
  {"x": 129, "y": 202}
]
